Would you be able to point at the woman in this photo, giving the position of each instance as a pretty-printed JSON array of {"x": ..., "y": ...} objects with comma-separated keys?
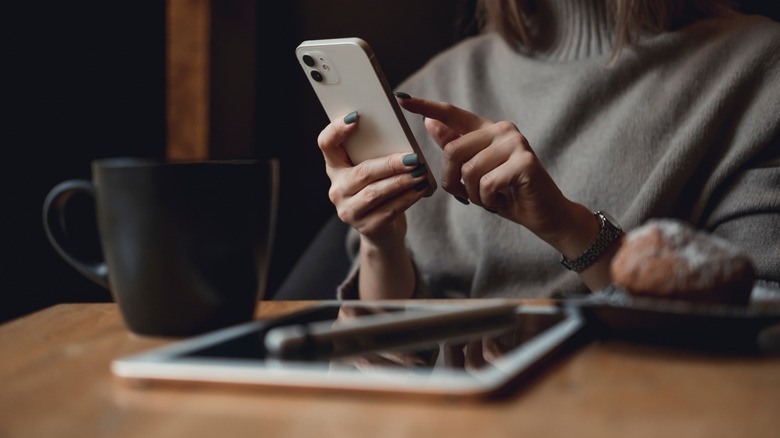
[{"x": 560, "y": 109}]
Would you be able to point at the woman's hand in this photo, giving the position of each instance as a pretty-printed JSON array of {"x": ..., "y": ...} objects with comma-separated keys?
[
  {"x": 371, "y": 196},
  {"x": 492, "y": 165}
]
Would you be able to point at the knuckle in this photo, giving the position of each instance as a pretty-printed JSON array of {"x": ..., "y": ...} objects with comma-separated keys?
[
  {"x": 386, "y": 213},
  {"x": 327, "y": 138},
  {"x": 487, "y": 182},
  {"x": 390, "y": 166},
  {"x": 523, "y": 141},
  {"x": 468, "y": 169},
  {"x": 362, "y": 174},
  {"x": 344, "y": 215},
  {"x": 450, "y": 149},
  {"x": 509, "y": 130},
  {"x": 371, "y": 195},
  {"x": 322, "y": 140},
  {"x": 397, "y": 183},
  {"x": 334, "y": 194},
  {"x": 526, "y": 159},
  {"x": 448, "y": 184},
  {"x": 505, "y": 126}
]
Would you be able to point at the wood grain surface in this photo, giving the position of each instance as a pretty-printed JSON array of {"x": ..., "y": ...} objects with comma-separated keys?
[{"x": 55, "y": 381}]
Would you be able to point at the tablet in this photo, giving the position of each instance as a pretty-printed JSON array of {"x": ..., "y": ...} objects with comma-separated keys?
[{"x": 478, "y": 348}]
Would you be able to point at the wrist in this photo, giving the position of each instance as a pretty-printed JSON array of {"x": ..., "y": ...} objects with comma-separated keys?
[
  {"x": 575, "y": 234},
  {"x": 386, "y": 271},
  {"x": 609, "y": 234},
  {"x": 381, "y": 248}
]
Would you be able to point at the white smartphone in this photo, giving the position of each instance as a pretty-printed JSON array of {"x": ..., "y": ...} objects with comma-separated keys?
[{"x": 346, "y": 77}]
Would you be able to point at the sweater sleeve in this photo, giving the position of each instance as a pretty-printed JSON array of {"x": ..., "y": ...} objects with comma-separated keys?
[
  {"x": 745, "y": 207},
  {"x": 349, "y": 290},
  {"x": 748, "y": 212}
]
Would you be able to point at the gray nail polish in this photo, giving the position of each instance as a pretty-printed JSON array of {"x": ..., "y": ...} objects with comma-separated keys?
[
  {"x": 419, "y": 187},
  {"x": 410, "y": 160},
  {"x": 418, "y": 171},
  {"x": 463, "y": 201},
  {"x": 351, "y": 118},
  {"x": 401, "y": 95}
]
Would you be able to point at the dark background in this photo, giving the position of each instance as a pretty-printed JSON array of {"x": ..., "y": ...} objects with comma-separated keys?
[
  {"x": 87, "y": 80},
  {"x": 83, "y": 80}
]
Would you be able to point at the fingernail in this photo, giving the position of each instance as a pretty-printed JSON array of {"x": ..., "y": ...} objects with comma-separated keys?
[
  {"x": 463, "y": 201},
  {"x": 401, "y": 95},
  {"x": 410, "y": 160},
  {"x": 418, "y": 171},
  {"x": 351, "y": 118},
  {"x": 420, "y": 186},
  {"x": 490, "y": 210}
]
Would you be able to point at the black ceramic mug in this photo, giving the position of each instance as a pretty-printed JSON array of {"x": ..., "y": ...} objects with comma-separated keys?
[{"x": 186, "y": 245}]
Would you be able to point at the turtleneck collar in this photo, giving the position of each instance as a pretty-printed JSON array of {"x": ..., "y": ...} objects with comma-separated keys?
[{"x": 572, "y": 29}]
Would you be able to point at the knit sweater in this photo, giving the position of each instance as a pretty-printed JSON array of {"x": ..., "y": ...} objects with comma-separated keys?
[{"x": 683, "y": 124}]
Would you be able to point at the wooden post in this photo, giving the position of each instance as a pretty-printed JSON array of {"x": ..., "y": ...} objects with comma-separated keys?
[{"x": 187, "y": 81}]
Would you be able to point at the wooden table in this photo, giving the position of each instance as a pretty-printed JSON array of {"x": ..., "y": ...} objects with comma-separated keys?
[{"x": 55, "y": 381}]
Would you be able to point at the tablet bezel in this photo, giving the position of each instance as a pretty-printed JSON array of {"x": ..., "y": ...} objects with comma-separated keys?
[{"x": 168, "y": 363}]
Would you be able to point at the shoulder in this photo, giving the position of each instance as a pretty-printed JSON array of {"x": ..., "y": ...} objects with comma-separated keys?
[
  {"x": 748, "y": 47},
  {"x": 748, "y": 28},
  {"x": 741, "y": 37},
  {"x": 726, "y": 56}
]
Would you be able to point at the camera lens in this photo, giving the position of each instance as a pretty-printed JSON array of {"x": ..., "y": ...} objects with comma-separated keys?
[
  {"x": 317, "y": 76},
  {"x": 308, "y": 60}
]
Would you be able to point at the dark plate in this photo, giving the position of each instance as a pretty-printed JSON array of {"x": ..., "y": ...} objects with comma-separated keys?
[{"x": 613, "y": 313}]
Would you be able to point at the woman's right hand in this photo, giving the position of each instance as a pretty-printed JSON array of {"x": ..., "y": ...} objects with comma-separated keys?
[{"x": 371, "y": 196}]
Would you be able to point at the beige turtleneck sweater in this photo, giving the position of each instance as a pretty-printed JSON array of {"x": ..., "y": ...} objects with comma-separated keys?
[{"x": 685, "y": 124}]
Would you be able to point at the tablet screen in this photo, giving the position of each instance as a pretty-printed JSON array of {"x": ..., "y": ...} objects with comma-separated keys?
[
  {"x": 467, "y": 350},
  {"x": 450, "y": 355}
]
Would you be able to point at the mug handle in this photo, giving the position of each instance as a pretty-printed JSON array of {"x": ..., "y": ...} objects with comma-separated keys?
[{"x": 54, "y": 225}]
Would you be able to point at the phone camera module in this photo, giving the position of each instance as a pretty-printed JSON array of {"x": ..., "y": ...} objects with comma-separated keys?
[{"x": 319, "y": 67}]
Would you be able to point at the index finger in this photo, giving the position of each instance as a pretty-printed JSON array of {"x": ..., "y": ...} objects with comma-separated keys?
[{"x": 458, "y": 119}]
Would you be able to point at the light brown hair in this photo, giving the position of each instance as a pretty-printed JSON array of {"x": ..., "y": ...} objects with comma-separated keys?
[{"x": 513, "y": 19}]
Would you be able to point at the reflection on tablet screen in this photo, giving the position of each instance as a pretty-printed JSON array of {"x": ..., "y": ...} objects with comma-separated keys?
[{"x": 473, "y": 352}]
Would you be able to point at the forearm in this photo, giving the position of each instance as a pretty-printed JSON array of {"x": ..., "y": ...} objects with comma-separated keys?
[{"x": 385, "y": 272}]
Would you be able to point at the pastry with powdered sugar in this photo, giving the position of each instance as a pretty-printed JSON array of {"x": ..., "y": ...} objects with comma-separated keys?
[{"x": 666, "y": 258}]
